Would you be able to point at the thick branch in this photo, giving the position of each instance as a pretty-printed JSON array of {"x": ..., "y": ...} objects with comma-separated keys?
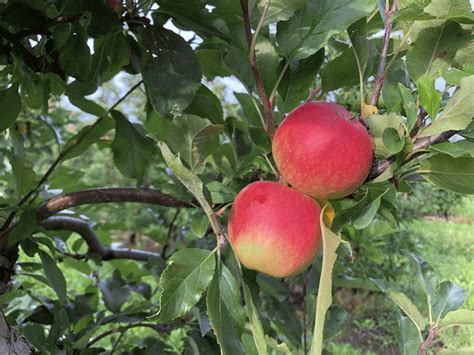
[
  {"x": 83, "y": 228},
  {"x": 383, "y": 55},
  {"x": 108, "y": 195},
  {"x": 255, "y": 70}
]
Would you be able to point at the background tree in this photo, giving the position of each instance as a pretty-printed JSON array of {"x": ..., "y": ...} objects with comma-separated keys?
[{"x": 129, "y": 127}]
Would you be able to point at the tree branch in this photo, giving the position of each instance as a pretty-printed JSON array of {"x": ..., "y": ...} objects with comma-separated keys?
[
  {"x": 83, "y": 228},
  {"x": 383, "y": 55},
  {"x": 108, "y": 195},
  {"x": 419, "y": 122},
  {"x": 267, "y": 106},
  {"x": 419, "y": 145}
]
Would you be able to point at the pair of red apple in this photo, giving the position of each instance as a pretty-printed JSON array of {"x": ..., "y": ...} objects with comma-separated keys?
[{"x": 323, "y": 152}]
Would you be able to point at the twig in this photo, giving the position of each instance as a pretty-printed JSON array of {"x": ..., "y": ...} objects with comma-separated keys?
[
  {"x": 61, "y": 156},
  {"x": 383, "y": 55},
  {"x": 108, "y": 195},
  {"x": 431, "y": 336},
  {"x": 313, "y": 93},
  {"x": 419, "y": 145},
  {"x": 255, "y": 70},
  {"x": 419, "y": 122},
  {"x": 170, "y": 233},
  {"x": 424, "y": 142},
  {"x": 83, "y": 228},
  {"x": 120, "y": 329}
]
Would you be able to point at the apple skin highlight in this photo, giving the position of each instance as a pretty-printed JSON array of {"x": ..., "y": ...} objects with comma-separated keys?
[
  {"x": 322, "y": 151},
  {"x": 274, "y": 229}
]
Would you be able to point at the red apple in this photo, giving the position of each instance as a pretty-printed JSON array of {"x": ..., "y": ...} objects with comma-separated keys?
[
  {"x": 322, "y": 150},
  {"x": 274, "y": 229}
]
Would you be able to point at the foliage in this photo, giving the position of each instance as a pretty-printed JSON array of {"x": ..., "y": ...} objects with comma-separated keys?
[{"x": 177, "y": 101}]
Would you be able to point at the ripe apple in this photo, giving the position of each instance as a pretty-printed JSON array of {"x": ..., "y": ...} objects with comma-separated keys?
[
  {"x": 322, "y": 150},
  {"x": 274, "y": 229}
]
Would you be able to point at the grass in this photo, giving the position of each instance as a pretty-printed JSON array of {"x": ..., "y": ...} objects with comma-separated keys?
[{"x": 448, "y": 246}]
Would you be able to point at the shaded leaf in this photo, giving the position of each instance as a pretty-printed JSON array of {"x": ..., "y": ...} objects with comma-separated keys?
[
  {"x": 279, "y": 10},
  {"x": 132, "y": 150},
  {"x": 54, "y": 275},
  {"x": 10, "y": 101},
  {"x": 171, "y": 71},
  {"x": 409, "y": 336}
]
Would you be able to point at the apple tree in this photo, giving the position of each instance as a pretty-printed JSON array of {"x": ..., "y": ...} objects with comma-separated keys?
[{"x": 128, "y": 128}]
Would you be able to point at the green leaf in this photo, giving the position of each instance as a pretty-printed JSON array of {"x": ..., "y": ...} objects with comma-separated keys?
[
  {"x": 458, "y": 149},
  {"x": 186, "y": 135},
  {"x": 24, "y": 228},
  {"x": 25, "y": 177},
  {"x": 434, "y": 48},
  {"x": 199, "y": 225},
  {"x": 54, "y": 275},
  {"x": 255, "y": 324},
  {"x": 409, "y": 336},
  {"x": 425, "y": 275},
  {"x": 187, "y": 178},
  {"x": 331, "y": 242},
  {"x": 392, "y": 140},
  {"x": 455, "y": 174},
  {"x": 407, "y": 306},
  {"x": 10, "y": 102},
  {"x": 226, "y": 314},
  {"x": 132, "y": 150},
  {"x": 341, "y": 72},
  {"x": 268, "y": 61},
  {"x": 358, "y": 36},
  {"x": 35, "y": 335},
  {"x": 430, "y": 98},
  {"x": 75, "y": 55},
  {"x": 207, "y": 105},
  {"x": 298, "y": 79},
  {"x": 450, "y": 298},
  {"x": 456, "y": 10},
  {"x": 364, "y": 217},
  {"x": 88, "y": 106},
  {"x": 409, "y": 106},
  {"x": 279, "y": 10},
  {"x": 170, "y": 70},
  {"x": 220, "y": 193},
  {"x": 458, "y": 112},
  {"x": 212, "y": 63},
  {"x": 309, "y": 29},
  {"x": 378, "y": 124},
  {"x": 185, "y": 278},
  {"x": 457, "y": 318}
]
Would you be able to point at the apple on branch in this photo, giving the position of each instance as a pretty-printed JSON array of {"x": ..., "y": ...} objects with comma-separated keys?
[
  {"x": 274, "y": 229},
  {"x": 323, "y": 151}
]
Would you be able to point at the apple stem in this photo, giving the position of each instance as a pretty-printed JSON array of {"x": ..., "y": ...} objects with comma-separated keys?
[
  {"x": 383, "y": 55},
  {"x": 268, "y": 127},
  {"x": 313, "y": 93}
]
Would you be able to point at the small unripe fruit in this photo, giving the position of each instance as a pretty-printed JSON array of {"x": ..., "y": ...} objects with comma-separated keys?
[
  {"x": 321, "y": 150},
  {"x": 274, "y": 229}
]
